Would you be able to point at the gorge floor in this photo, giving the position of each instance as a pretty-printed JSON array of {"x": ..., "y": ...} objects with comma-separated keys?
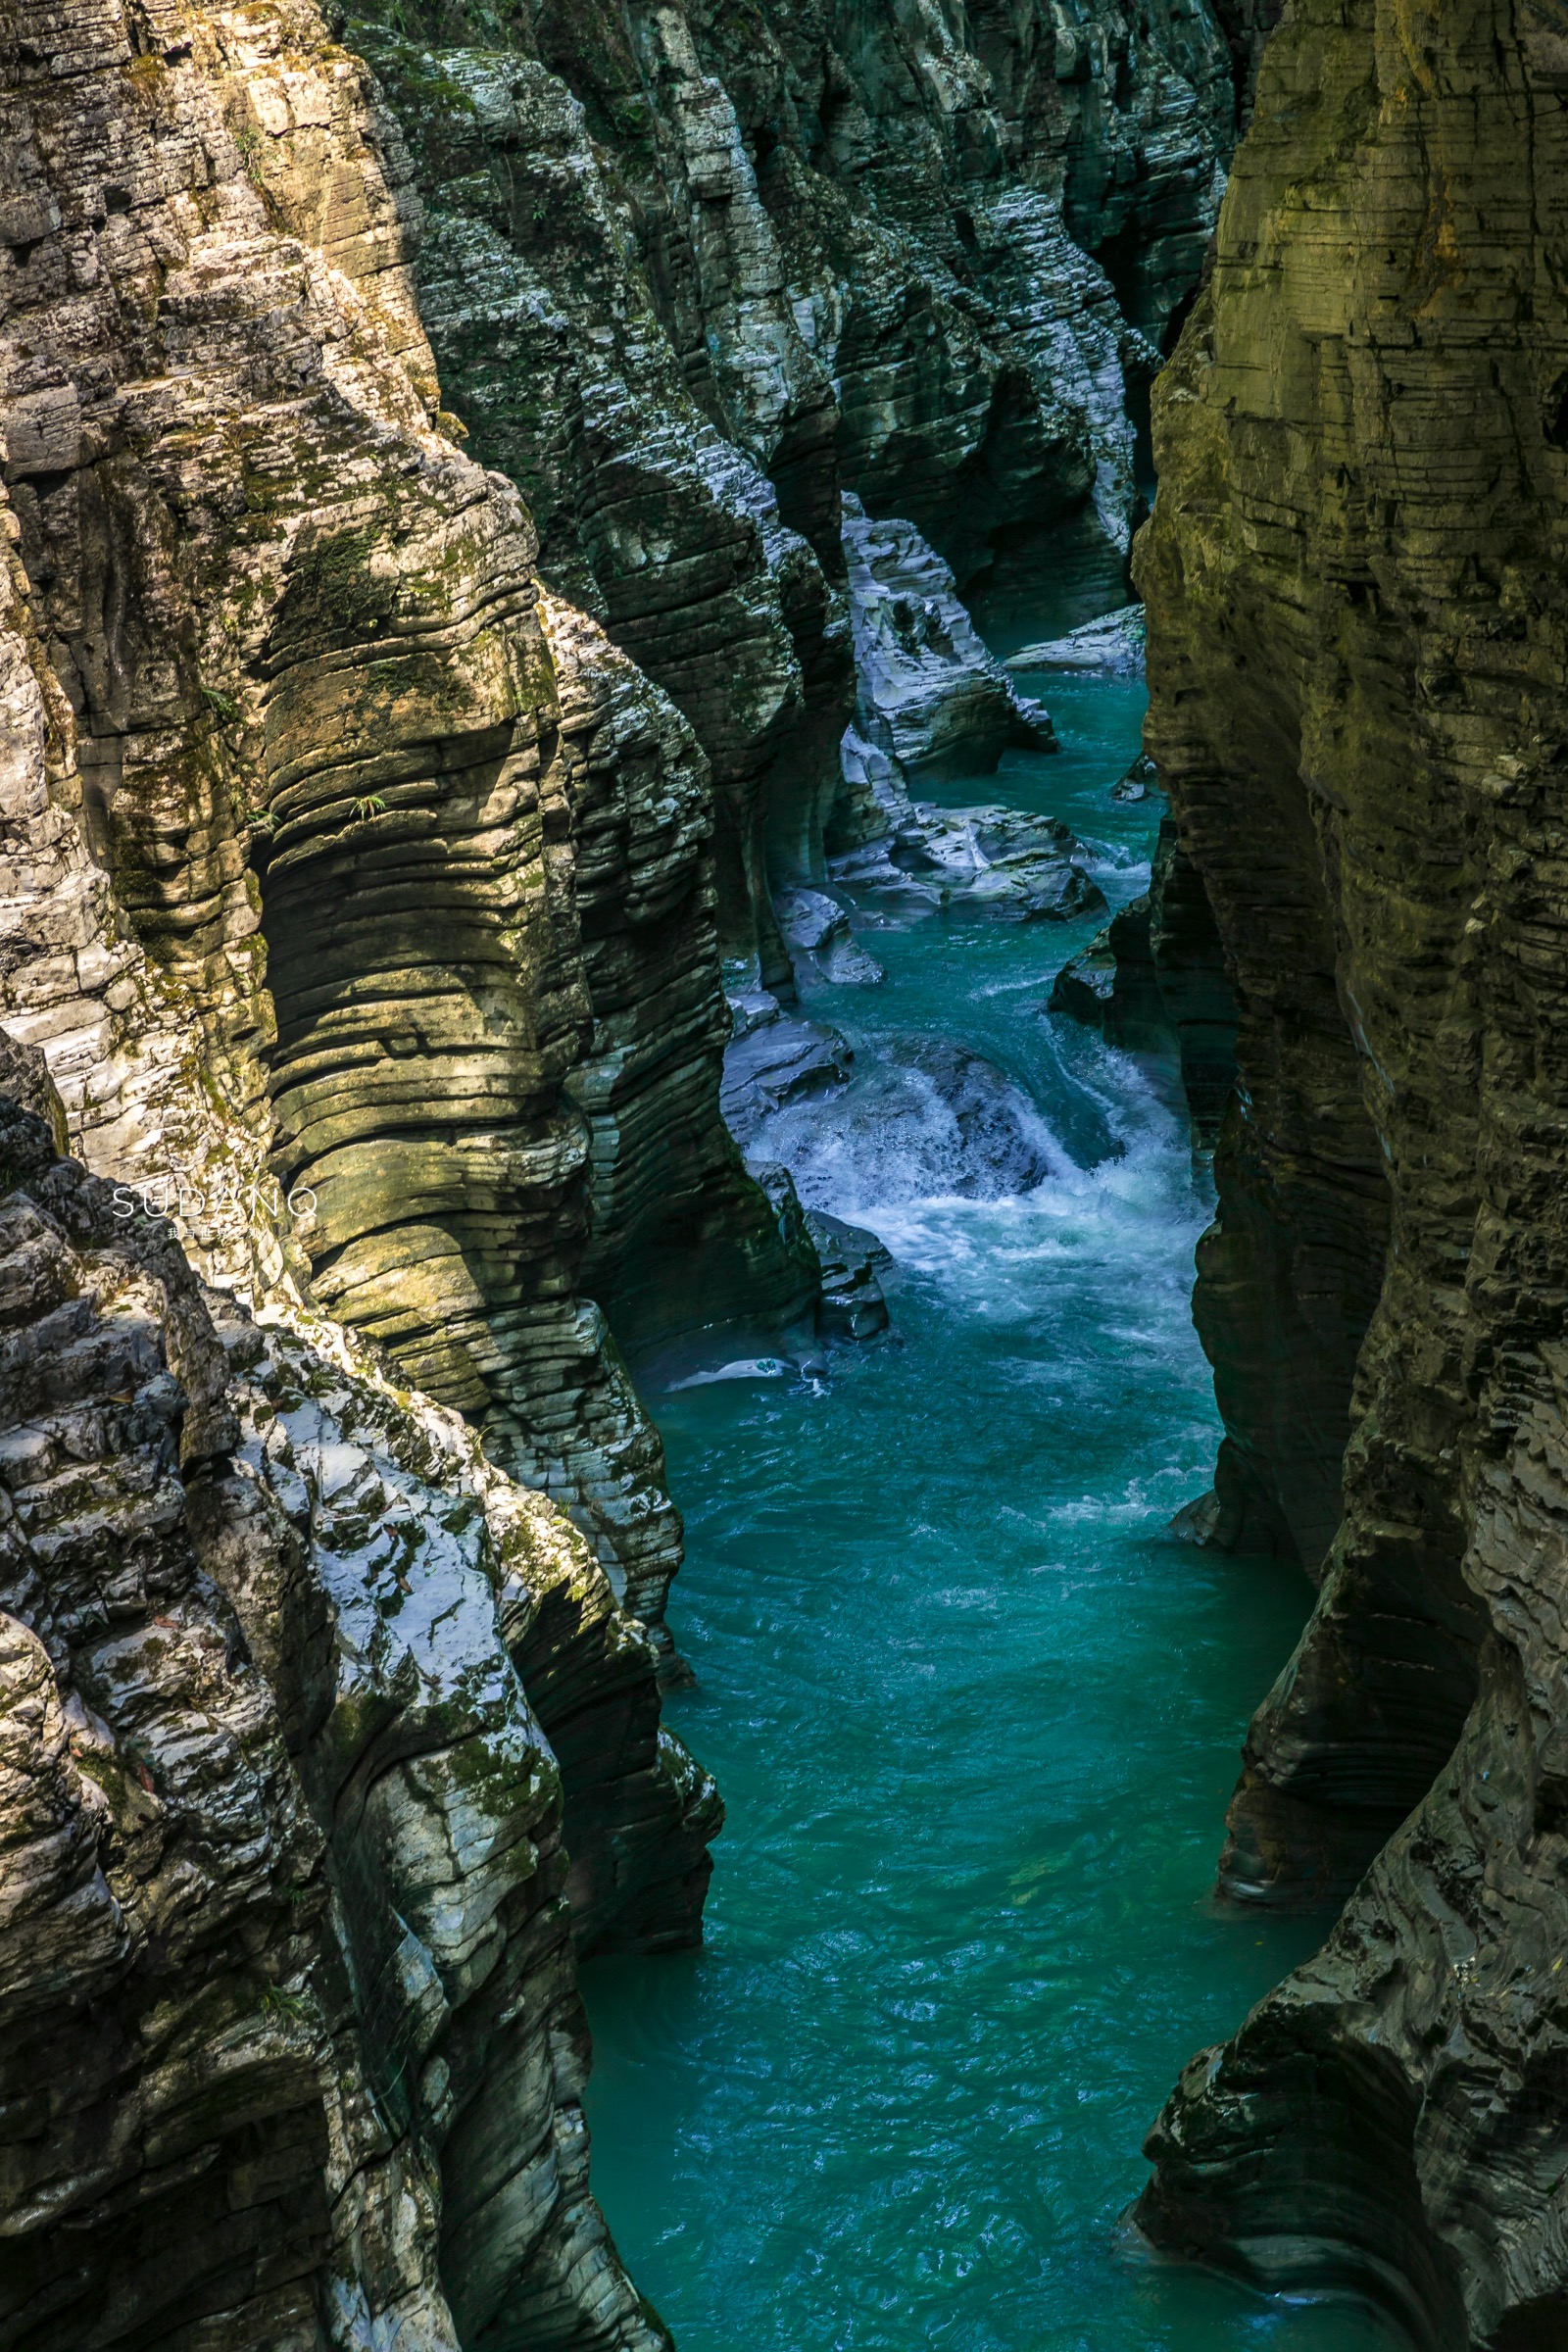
[{"x": 975, "y": 1713}]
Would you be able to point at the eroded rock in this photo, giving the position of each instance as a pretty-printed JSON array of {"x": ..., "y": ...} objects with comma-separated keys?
[
  {"x": 285, "y": 1900},
  {"x": 1356, "y": 707},
  {"x": 1112, "y": 645}
]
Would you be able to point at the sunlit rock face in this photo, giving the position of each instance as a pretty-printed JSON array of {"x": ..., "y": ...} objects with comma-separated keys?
[
  {"x": 297, "y": 2052},
  {"x": 1356, "y": 635},
  {"x": 335, "y": 855}
]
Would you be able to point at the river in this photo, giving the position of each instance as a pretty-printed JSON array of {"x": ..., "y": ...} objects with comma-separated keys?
[{"x": 974, "y": 1712}]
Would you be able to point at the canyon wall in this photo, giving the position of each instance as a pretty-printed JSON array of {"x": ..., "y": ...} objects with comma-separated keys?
[
  {"x": 339, "y": 854},
  {"x": 1358, "y": 633},
  {"x": 378, "y": 817},
  {"x": 691, "y": 272},
  {"x": 298, "y": 1698}
]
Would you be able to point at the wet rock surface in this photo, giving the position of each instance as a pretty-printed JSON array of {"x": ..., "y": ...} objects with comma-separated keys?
[
  {"x": 914, "y": 857},
  {"x": 780, "y": 1059},
  {"x": 851, "y": 1306},
  {"x": 1155, "y": 980},
  {"x": 927, "y": 1118},
  {"x": 1356, "y": 626}
]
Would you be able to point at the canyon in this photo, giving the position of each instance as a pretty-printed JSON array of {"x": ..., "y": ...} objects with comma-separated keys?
[{"x": 555, "y": 840}]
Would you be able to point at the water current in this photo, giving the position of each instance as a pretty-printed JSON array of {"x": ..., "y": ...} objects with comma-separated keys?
[{"x": 974, "y": 1712}]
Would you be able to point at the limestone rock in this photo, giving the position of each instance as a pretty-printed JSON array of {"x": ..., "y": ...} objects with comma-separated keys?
[
  {"x": 344, "y": 871},
  {"x": 1113, "y": 645},
  {"x": 777, "y": 1062},
  {"x": 923, "y": 1118},
  {"x": 1358, "y": 637},
  {"x": 687, "y": 277},
  {"x": 928, "y": 693},
  {"x": 994, "y": 860},
  {"x": 817, "y": 930},
  {"x": 24, "y": 1080},
  {"x": 853, "y": 1305},
  {"x": 1136, "y": 784},
  {"x": 286, "y": 1904}
]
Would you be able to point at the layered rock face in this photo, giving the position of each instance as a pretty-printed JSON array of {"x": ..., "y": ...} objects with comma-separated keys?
[
  {"x": 689, "y": 274},
  {"x": 344, "y": 871},
  {"x": 1357, "y": 632},
  {"x": 333, "y": 852},
  {"x": 296, "y": 2053}
]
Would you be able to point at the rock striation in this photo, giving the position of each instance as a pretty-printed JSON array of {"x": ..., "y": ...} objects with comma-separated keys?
[
  {"x": 690, "y": 274},
  {"x": 344, "y": 864},
  {"x": 379, "y": 825},
  {"x": 297, "y": 2052},
  {"x": 1356, "y": 648}
]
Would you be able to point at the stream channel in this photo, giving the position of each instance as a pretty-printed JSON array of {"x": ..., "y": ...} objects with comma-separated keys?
[{"x": 974, "y": 1712}]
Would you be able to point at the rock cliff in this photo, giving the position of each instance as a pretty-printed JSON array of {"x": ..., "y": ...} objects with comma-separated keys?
[
  {"x": 690, "y": 272},
  {"x": 294, "y": 1688},
  {"x": 377, "y": 820},
  {"x": 1357, "y": 636},
  {"x": 337, "y": 853}
]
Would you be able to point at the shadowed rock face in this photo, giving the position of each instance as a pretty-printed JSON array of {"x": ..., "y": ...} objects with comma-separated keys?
[
  {"x": 1153, "y": 982},
  {"x": 689, "y": 272},
  {"x": 1357, "y": 627},
  {"x": 296, "y": 2053}
]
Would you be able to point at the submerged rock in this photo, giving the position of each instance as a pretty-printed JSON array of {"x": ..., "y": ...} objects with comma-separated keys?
[
  {"x": 741, "y": 1368},
  {"x": 1199, "y": 1521},
  {"x": 926, "y": 1118},
  {"x": 1000, "y": 1149},
  {"x": 778, "y": 1062}
]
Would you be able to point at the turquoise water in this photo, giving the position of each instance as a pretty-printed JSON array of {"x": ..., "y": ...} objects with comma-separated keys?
[{"x": 975, "y": 1714}]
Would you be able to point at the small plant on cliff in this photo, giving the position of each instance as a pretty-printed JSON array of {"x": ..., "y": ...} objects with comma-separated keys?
[
  {"x": 252, "y": 146},
  {"x": 261, "y": 820},
  {"x": 223, "y": 705},
  {"x": 373, "y": 804},
  {"x": 277, "y": 2004}
]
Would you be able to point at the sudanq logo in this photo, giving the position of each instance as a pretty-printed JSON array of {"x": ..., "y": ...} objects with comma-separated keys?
[{"x": 225, "y": 1206}]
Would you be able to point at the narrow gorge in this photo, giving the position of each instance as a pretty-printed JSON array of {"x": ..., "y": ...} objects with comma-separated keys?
[{"x": 604, "y": 981}]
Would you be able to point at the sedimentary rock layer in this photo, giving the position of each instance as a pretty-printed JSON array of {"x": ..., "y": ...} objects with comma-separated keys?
[
  {"x": 690, "y": 272},
  {"x": 329, "y": 857},
  {"x": 295, "y": 2053},
  {"x": 1358, "y": 640}
]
